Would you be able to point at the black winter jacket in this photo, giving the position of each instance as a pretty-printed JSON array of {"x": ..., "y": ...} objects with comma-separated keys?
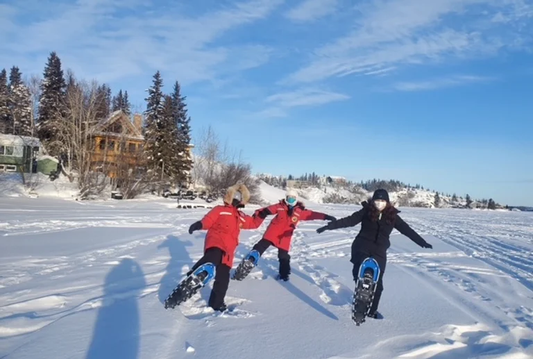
[{"x": 374, "y": 237}]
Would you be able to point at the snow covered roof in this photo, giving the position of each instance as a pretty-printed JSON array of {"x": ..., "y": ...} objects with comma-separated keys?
[
  {"x": 14, "y": 140},
  {"x": 119, "y": 115}
]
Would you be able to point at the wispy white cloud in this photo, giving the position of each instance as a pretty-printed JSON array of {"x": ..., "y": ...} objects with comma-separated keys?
[
  {"x": 305, "y": 97},
  {"x": 392, "y": 33},
  {"x": 281, "y": 103},
  {"x": 113, "y": 40},
  {"x": 451, "y": 81},
  {"x": 310, "y": 10}
]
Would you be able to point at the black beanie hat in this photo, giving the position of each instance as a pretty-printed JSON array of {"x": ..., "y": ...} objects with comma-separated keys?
[{"x": 381, "y": 194}]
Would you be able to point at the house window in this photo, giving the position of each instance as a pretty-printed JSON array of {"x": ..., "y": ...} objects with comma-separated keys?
[
  {"x": 6, "y": 150},
  {"x": 111, "y": 145},
  {"x": 132, "y": 147},
  {"x": 101, "y": 145}
]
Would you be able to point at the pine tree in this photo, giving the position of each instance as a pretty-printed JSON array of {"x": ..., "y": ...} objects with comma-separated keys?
[
  {"x": 492, "y": 204},
  {"x": 154, "y": 125},
  {"x": 121, "y": 102},
  {"x": 126, "y": 105},
  {"x": 117, "y": 102},
  {"x": 182, "y": 121},
  {"x": 437, "y": 200},
  {"x": 103, "y": 96},
  {"x": 169, "y": 144},
  {"x": 5, "y": 113},
  {"x": 468, "y": 200},
  {"x": 21, "y": 110},
  {"x": 52, "y": 103},
  {"x": 20, "y": 106},
  {"x": 454, "y": 198},
  {"x": 15, "y": 77}
]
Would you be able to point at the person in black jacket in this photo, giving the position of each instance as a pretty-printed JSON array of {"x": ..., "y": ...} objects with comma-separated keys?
[{"x": 378, "y": 219}]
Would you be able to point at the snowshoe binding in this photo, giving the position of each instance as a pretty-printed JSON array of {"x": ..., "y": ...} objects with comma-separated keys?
[
  {"x": 245, "y": 267},
  {"x": 190, "y": 285},
  {"x": 365, "y": 288}
]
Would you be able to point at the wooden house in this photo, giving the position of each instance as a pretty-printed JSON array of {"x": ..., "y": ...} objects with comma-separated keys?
[{"x": 117, "y": 144}]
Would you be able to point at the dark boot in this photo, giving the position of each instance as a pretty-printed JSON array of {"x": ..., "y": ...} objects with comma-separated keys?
[
  {"x": 284, "y": 264},
  {"x": 220, "y": 287}
]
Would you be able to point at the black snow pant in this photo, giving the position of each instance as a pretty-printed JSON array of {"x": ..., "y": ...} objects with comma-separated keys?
[
  {"x": 283, "y": 257},
  {"x": 220, "y": 287},
  {"x": 357, "y": 259}
]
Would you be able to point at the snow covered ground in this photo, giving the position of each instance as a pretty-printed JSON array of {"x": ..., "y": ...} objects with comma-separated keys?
[{"x": 87, "y": 280}]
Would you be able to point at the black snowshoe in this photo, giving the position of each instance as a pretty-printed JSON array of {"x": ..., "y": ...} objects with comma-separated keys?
[
  {"x": 190, "y": 285},
  {"x": 365, "y": 288},
  {"x": 245, "y": 267}
]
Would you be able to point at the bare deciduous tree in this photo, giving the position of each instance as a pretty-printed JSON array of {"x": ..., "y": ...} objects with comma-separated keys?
[{"x": 217, "y": 167}]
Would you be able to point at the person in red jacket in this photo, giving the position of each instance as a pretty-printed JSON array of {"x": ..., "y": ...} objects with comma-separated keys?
[
  {"x": 223, "y": 224},
  {"x": 287, "y": 213}
]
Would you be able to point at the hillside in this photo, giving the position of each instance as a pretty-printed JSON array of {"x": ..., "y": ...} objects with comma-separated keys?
[{"x": 341, "y": 195}]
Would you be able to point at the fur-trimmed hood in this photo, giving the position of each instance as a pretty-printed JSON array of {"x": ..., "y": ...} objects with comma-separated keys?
[{"x": 228, "y": 198}]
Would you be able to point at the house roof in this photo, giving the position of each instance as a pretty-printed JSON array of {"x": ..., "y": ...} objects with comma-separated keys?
[
  {"x": 14, "y": 140},
  {"x": 131, "y": 132}
]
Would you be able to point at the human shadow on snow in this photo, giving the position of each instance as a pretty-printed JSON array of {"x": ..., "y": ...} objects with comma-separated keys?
[
  {"x": 116, "y": 332},
  {"x": 179, "y": 257}
]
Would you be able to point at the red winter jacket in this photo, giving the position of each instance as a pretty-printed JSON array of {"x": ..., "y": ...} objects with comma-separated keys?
[
  {"x": 282, "y": 226},
  {"x": 223, "y": 224}
]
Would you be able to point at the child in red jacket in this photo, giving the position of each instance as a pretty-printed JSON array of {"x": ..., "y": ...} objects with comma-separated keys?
[
  {"x": 287, "y": 213},
  {"x": 223, "y": 224}
]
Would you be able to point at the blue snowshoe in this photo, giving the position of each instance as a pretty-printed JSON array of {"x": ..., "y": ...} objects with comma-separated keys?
[
  {"x": 245, "y": 267},
  {"x": 190, "y": 285},
  {"x": 365, "y": 288}
]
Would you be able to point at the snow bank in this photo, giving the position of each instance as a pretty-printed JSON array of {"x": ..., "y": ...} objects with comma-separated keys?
[{"x": 271, "y": 194}]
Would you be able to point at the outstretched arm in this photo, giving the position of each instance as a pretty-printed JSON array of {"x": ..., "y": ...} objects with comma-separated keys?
[
  {"x": 264, "y": 212},
  {"x": 407, "y": 231},
  {"x": 250, "y": 222},
  {"x": 349, "y": 221},
  {"x": 308, "y": 215}
]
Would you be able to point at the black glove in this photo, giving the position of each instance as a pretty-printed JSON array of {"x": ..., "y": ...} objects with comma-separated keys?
[
  {"x": 263, "y": 213},
  {"x": 196, "y": 226},
  {"x": 329, "y": 218},
  {"x": 322, "y": 229},
  {"x": 427, "y": 245}
]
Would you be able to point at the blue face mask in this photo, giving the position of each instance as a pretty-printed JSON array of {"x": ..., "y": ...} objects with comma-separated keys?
[{"x": 291, "y": 201}]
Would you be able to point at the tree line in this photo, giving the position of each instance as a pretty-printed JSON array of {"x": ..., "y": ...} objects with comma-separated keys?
[{"x": 63, "y": 111}]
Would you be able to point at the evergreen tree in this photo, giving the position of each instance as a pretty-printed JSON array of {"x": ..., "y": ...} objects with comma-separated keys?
[
  {"x": 454, "y": 198},
  {"x": 126, "y": 105},
  {"x": 52, "y": 103},
  {"x": 5, "y": 113},
  {"x": 154, "y": 125},
  {"x": 15, "y": 77},
  {"x": 437, "y": 200},
  {"x": 492, "y": 204},
  {"x": 103, "y": 96},
  {"x": 182, "y": 121},
  {"x": 121, "y": 102},
  {"x": 21, "y": 109},
  {"x": 19, "y": 104},
  {"x": 117, "y": 102},
  {"x": 170, "y": 150},
  {"x": 468, "y": 200}
]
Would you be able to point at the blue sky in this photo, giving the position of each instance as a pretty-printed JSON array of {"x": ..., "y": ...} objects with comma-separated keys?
[{"x": 433, "y": 92}]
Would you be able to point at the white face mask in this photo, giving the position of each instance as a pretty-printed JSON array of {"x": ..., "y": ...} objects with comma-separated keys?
[{"x": 380, "y": 204}]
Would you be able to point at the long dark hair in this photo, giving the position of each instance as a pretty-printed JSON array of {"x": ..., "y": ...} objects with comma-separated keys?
[{"x": 389, "y": 212}]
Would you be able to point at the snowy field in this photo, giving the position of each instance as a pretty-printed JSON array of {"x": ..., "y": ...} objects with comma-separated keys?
[{"x": 87, "y": 280}]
